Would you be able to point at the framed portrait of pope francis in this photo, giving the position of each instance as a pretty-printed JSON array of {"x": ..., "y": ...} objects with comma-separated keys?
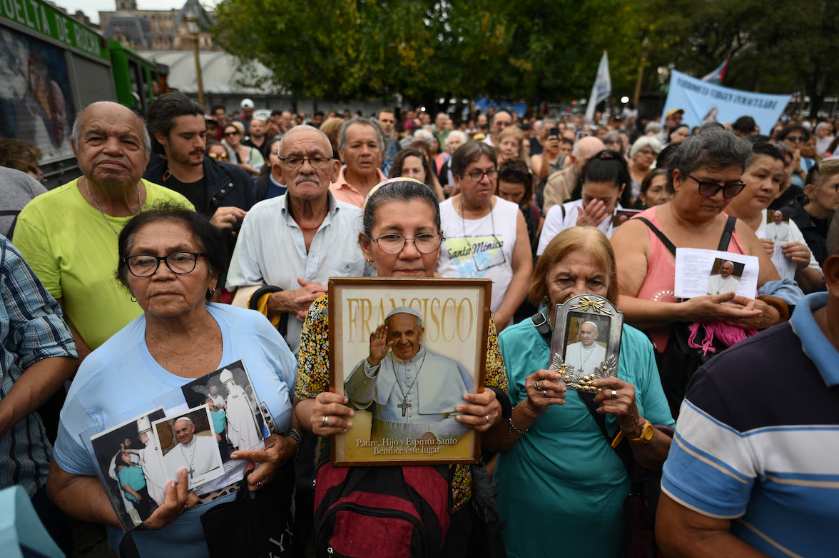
[
  {"x": 586, "y": 341},
  {"x": 404, "y": 352}
]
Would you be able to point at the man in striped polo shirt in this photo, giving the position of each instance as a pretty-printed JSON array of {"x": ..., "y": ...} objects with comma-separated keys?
[{"x": 754, "y": 466}]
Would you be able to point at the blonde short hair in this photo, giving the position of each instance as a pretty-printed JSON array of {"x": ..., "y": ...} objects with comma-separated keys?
[{"x": 588, "y": 239}]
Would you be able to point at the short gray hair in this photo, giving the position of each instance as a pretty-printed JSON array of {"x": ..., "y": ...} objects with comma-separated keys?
[
  {"x": 76, "y": 133},
  {"x": 652, "y": 127},
  {"x": 425, "y": 136},
  {"x": 711, "y": 147},
  {"x": 455, "y": 133},
  {"x": 642, "y": 142},
  {"x": 301, "y": 127},
  {"x": 380, "y": 136}
]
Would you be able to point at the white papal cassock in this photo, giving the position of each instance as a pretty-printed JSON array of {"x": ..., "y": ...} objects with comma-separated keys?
[
  {"x": 585, "y": 358},
  {"x": 721, "y": 285},
  {"x": 199, "y": 456},
  {"x": 439, "y": 384},
  {"x": 242, "y": 430}
]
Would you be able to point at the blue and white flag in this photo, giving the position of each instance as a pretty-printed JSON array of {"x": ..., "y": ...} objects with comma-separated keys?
[
  {"x": 705, "y": 102},
  {"x": 602, "y": 87}
]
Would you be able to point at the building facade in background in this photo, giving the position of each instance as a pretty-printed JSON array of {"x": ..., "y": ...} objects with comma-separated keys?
[{"x": 156, "y": 29}]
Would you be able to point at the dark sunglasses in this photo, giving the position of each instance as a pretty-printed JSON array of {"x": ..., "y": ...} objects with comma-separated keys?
[
  {"x": 796, "y": 139},
  {"x": 710, "y": 189},
  {"x": 231, "y": 134}
]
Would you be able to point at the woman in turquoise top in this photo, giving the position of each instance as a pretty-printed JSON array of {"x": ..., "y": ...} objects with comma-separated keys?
[{"x": 561, "y": 486}]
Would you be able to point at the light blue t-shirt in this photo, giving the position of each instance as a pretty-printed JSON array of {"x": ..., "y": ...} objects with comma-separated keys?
[{"x": 121, "y": 380}]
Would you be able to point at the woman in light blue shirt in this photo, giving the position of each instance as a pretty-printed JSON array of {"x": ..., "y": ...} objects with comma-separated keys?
[{"x": 170, "y": 260}]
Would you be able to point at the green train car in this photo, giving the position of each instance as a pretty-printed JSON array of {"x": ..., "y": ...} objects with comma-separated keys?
[{"x": 51, "y": 66}]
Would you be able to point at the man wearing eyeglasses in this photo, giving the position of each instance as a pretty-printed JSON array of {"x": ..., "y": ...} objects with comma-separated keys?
[
  {"x": 221, "y": 191},
  {"x": 295, "y": 242}
]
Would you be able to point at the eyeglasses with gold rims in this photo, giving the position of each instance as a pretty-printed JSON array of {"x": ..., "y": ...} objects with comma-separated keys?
[
  {"x": 394, "y": 243},
  {"x": 179, "y": 263}
]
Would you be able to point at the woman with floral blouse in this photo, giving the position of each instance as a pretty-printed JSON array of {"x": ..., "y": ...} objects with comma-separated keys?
[{"x": 408, "y": 208}]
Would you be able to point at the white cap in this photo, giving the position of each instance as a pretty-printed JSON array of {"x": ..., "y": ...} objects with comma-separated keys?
[
  {"x": 406, "y": 310},
  {"x": 247, "y": 103},
  {"x": 225, "y": 376}
]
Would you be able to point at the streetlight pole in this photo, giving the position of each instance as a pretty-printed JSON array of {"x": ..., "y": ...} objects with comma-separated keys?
[{"x": 192, "y": 26}]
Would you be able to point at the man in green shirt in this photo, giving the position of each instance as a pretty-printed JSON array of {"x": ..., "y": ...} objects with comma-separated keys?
[{"x": 69, "y": 235}]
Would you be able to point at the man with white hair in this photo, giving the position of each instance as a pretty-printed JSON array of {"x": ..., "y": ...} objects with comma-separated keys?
[
  {"x": 69, "y": 236},
  {"x": 586, "y": 354},
  {"x": 414, "y": 392},
  {"x": 777, "y": 230},
  {"x": 242, "y": 429},
  {"x": 197, "y": 454},
  {"x": 561, "y": 184},
  {"x": 724, "y": 281},
  {"x": 296, "y": 241}
]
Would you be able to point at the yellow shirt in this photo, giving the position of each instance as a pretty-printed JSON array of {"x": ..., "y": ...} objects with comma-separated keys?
[{"x": 73, "y": 251}]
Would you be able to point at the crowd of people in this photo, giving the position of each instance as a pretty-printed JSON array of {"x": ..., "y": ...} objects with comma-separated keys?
[{"x": 191, "y": 240}]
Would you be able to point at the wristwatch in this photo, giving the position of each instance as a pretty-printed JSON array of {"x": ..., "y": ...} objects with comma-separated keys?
[{"x": 646, "y": 434}]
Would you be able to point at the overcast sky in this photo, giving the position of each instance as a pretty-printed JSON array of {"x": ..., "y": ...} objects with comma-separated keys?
[{"x": 93, "y": 7}]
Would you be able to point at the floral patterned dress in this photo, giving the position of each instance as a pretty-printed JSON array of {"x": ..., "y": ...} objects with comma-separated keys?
[{"x": 313, "y": 377}]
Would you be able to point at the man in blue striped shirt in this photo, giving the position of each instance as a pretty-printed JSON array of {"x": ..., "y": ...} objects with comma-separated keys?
[
  {"x": 754, "y": 466},
  {"x": 37, "y": 355}
]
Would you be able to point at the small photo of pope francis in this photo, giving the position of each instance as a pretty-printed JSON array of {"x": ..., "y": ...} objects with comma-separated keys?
[
  {"x": 584, "y": 352},
  {"x": 411, "y": 391}
]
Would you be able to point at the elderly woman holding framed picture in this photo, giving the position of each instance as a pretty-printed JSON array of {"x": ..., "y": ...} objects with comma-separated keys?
[{"x": 560, "y": 475}]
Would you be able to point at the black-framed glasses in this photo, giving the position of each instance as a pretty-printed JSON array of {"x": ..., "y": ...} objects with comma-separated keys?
[
  {"x": 394, "y": 243},
  {"x": 476, "y": 176},
  {"x": 296, "y": 162},
  {"x": 179, "y": 263},
  {"x": 710, "y": 189}
]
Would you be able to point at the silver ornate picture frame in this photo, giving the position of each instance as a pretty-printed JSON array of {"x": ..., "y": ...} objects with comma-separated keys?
[{"x": 586, "y": 341}]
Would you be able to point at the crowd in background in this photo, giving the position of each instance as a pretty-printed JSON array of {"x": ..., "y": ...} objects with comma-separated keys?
[{"x": 137, "y": 277}]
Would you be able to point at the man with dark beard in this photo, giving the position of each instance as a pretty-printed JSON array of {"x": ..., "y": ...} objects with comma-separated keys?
[{"x": 221, "y": 191}]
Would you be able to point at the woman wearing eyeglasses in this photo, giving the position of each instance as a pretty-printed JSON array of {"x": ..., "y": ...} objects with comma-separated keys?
[
  {"x": 170, "y": 260},
  {"x": 704, "y": 175},
  {"x": 401, "y": 235},
  {"x": 248, "y": 158},
  {"x": 486, "y": 236}
]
